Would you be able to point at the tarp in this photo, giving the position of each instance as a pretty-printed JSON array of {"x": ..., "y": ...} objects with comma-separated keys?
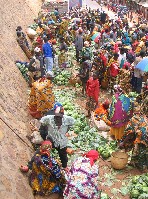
[{"x": 74, "y": 3}]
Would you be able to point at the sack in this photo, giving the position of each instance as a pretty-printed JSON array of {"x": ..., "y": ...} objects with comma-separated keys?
[
  {"x": 102, "y": 126},
  {"x": 31, "y": 33},
  {"x": 36, "y": 138},
  {"x": 34, "y": 125}
]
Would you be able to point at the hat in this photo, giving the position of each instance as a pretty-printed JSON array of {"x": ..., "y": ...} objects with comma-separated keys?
[
  {"x": 37, "y": 49},
  {"x": 47, "y": 143},
  {"x": 45, "y": 147},
  {"x": 57, "y": 104}
]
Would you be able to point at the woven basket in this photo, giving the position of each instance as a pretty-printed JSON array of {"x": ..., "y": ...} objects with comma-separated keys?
[{"x": 119, "y": 160}]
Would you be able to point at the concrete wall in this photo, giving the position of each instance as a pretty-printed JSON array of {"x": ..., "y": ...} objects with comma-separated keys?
[{"x": 13, "y": 99}]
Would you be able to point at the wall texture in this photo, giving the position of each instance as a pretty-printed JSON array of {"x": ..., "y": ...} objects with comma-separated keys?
[{"x": 13, "y": 99}]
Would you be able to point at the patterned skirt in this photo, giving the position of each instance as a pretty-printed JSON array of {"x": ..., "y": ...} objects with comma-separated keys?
[{"x": 118, "y": 132}]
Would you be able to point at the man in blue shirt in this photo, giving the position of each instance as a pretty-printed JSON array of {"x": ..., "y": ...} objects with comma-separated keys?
[{"x": 48, "y": 54}]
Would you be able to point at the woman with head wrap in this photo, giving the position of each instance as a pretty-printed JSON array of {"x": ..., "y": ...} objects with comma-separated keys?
[
  {"x": 63, "y": 53},
  {"x": 45, "y": 177},
  {"x": 41, "y": 97},
  {"x": 126, "y": 40},
  {"x": 82, "y": 179},
  {"x": 121, "y": 111},
  {"x": 101, "y": 112},
  {"x": 136, "y": 138}
]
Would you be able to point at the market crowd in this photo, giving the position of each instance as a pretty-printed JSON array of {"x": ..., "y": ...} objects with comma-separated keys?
[{"x": 110, "y": 55}]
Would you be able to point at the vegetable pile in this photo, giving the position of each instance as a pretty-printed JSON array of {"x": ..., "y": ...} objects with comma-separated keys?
[
  {"x": 139, "y": 187},
  {"x": 87, "y": 137},
  {"x": 104, "y": 196},
  {"x": 24, "y": 70},
  {"x": 62, "y": 78},
  {"x": 107, "y": 150}
]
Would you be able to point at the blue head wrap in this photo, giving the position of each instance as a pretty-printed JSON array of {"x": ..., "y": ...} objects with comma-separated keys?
[{"x": 57, "y": 104}]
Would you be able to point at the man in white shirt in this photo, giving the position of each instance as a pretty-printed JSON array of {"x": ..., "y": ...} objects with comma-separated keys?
[
  {"x": 122, "y": 57},
  {"x": 138, "y": 74}
]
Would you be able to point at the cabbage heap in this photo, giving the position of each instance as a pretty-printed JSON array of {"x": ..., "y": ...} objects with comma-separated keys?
[{"x": 139, "y": 187}]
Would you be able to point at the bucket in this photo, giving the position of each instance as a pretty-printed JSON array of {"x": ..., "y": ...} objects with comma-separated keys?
[{"x": 119, "y": 160}]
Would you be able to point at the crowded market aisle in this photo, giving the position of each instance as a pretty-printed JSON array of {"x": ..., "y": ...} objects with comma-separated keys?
[{"x": 84, "y": 51}]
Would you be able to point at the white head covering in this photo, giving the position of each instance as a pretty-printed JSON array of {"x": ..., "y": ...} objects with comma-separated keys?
[{"x": 37, "y": 49}]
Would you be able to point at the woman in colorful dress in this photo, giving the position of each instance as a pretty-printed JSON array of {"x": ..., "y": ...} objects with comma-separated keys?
[
  {"x": 46, "y": 177},
  {"x": 41, "y": 97},
  {"x": 136, "y": 138},
  {"x": 92, "y": 91},
  {"x": 101, "y": 112},
  {"x": 121, "y": 111},
  {"x": 84, "y": 75},
  {"x": 125, "y": 79},
  {"x": 63, "y": 53},
  {"x": 82, "y": 179}
]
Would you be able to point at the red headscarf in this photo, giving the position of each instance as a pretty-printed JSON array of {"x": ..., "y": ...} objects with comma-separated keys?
[
  {"x": 45, "y": 147},
  {"x": 92, "y": 155}
]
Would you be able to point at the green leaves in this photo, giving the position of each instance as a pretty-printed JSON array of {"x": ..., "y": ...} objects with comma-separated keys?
[
  {"x": 115, "y": 191},
  {"x": 124, "y": 191}
]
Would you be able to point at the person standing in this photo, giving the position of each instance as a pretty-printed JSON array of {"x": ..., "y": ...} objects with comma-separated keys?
[
  {"x": 63, "y": 53},
  {"x": 22, "y": 43},
  {"x": 58, "y": 125},
  {"x": 122, "y": 57},
  {"x": 121, "y": 111},
  {"x": 92, "y": 91},
  {"x": 36, "y": 66},
  {"x": 138, "y": 74},
  {"x": 79, "y": 42},
  {"x": 41, "y": 97},
  {"x": 84, "y": 75},
  {"x": 48, "y": 54},
  {"x": 113, "y": 67}
]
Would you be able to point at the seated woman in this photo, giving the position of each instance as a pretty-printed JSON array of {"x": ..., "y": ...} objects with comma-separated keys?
[
  {"x": 82, "y": 179},
  {"x": 45, "y": 177},
  {"x": 136, "y": 138},
  {"x": 101, "y": 112}
]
